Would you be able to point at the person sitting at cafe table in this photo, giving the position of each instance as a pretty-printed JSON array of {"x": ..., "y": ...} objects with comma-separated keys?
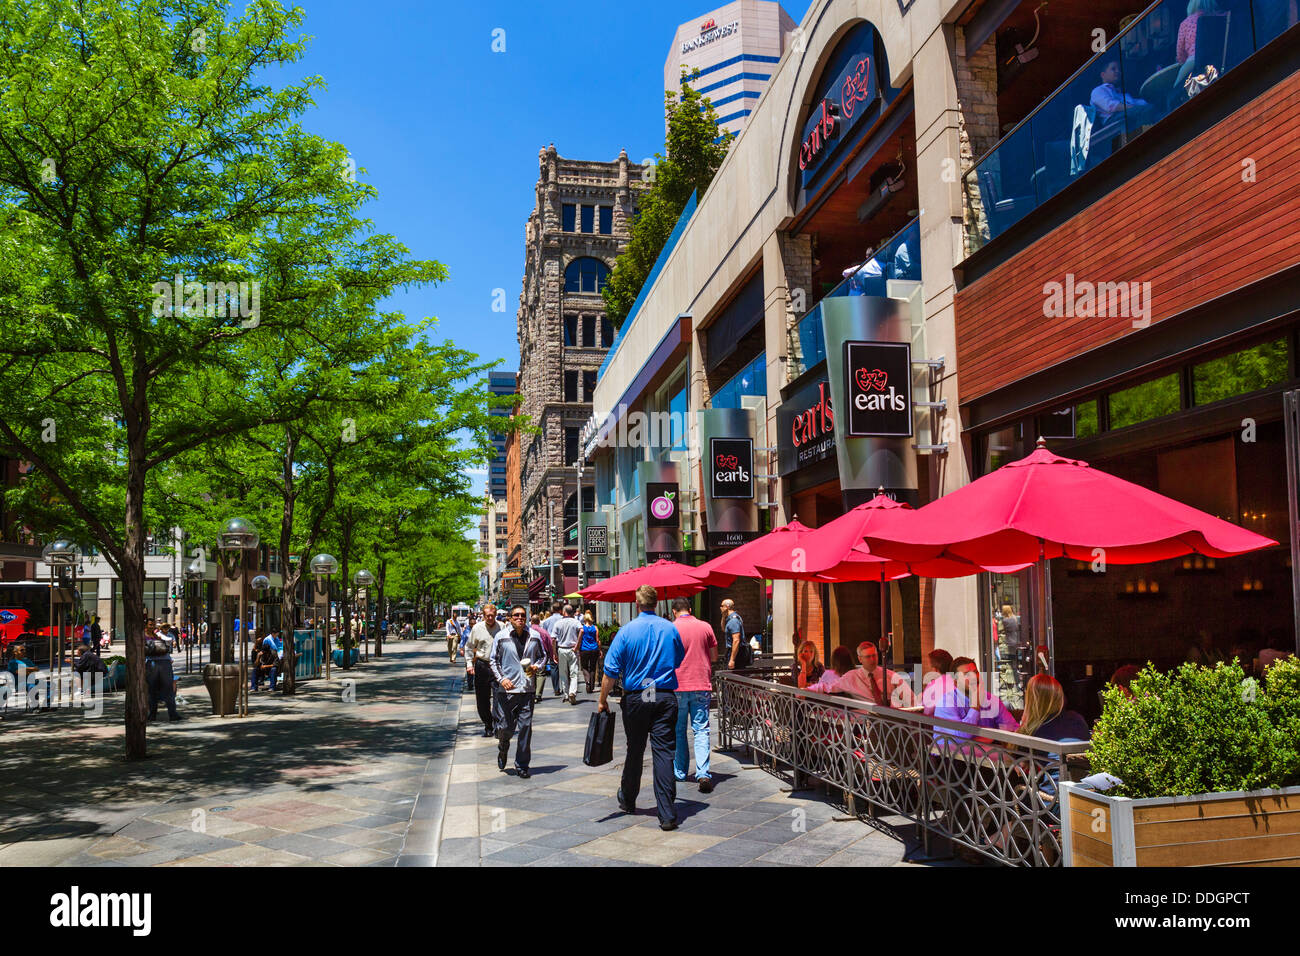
[
  {"x": 869, "y": 682},
  {"x": 1124, "y": 676},
  {"x": 940, "y": 663},
  {"x": 1045, "y": 714},
  {"x": 808, "y": 667},
  {"x": 829, "y": 682},
  {"x": 1111, "y": 101},
  {"x": 961, "y": 696}
]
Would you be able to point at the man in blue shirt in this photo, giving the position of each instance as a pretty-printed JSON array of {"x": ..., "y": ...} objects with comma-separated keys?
[{"x": 645, "y": 653}]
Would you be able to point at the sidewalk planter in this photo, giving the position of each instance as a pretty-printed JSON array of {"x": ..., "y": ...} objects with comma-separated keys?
[
  {"x": 212, "y": 681},
  {"x": 116, "y": 677},
  {"x": 338, "y": 656},
  {"x": 1243, "y": 828}
]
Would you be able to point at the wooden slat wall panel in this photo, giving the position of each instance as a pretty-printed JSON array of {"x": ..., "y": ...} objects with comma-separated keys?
[
  {"x": 1282, "y": 850},
  {"x": 1257, "y": 807},
  {"x": 1189, "y": 225}
]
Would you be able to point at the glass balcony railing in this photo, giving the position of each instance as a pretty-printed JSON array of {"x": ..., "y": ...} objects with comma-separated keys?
[
  {"x": 1163, "y": 58},
  {"x": 899, "y": 258}
]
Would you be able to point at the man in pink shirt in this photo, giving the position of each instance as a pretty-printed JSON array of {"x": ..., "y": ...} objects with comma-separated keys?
[{"x": 694, "y": 685}]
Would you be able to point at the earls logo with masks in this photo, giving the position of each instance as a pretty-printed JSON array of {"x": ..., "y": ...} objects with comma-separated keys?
[
  {"x": 733, "y": 467},
  {"x": 879, "y": 385}
]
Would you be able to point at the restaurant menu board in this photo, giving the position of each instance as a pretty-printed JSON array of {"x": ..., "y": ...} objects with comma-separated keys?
[{"x": 878, "y": 378}]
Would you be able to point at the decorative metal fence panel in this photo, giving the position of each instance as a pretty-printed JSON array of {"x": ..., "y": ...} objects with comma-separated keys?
[{"x": 997, "y": 794}]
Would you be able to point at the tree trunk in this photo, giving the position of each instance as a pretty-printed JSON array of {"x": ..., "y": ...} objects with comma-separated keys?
[
  {"x": 137, "y": 699},
  {"x": 379, "y": 580},
  {"x": 345, "y": 608}
]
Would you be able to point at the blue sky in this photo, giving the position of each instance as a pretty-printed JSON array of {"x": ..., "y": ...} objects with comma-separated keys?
[{"x": 448, "y": 131}]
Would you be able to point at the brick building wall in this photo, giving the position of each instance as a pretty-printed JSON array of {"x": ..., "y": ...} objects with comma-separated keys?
[{"x": 546, "y": 476}]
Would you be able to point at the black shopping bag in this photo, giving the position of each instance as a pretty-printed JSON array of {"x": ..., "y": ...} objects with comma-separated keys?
[{"x": 600, "y": 740}]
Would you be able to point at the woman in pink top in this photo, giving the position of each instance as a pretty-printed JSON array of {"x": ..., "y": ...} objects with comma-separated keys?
[
  {"x": 841, "y": 664},
  {"x": 1186, "y": 48}
]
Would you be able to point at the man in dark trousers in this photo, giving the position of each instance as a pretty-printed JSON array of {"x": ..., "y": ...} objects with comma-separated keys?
[
  {"x": 478, "y": 651},
  {"x": 159, "y": 678},
  {"x": 645, "y": 654},
  {"x": 515, "y": 656}
]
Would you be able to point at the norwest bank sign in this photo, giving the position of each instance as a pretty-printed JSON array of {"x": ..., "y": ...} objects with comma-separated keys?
[{"x": 709, "y": 33}]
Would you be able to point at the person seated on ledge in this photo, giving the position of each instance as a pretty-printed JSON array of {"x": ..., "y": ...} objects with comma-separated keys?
[
  {"x": 940, "y": 663},
  {"x": 869, "y": 681},
  {"x": 1123, "y": 676},
  {"x": 1045, "y": 714},
  {"x": 1111, "y": 101},
  {"x": 961, "y": 696},
  {"x": 841, "y": 664},
  {"x": 808, "y": 668}
]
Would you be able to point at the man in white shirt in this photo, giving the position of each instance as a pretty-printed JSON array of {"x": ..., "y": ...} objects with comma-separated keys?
[
  {"x": 567, "y": 634},
  {"x": 868, "y": 682},
  {"x": 453, "y": 637},
  {"x": 478, "y": 656}
]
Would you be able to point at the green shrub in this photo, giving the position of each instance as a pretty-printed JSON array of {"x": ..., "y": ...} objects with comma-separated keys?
[{"x": 1201, "y": 730}]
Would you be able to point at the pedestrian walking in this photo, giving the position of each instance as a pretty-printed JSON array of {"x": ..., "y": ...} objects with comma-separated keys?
[
  {"x": 733, "y": 631},
  {"x": 453, "y": 637},
  {"x": 513, "y": 658},
  {"x": 694, "y": 685},
  {"x": 548, "y": 625},
  {"x": 589, "y": 651},
  {"x": 159, "y": 678},
  {"x": 548, "y": 646},
  {"x": 567, "y": 635},
  {"x": 646, "y": 653},
  {"x": 480, "y": 647}
]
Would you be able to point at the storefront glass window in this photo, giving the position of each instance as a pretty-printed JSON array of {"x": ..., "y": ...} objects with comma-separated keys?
[
  {"x": 1012, "y": 659},
  {"x": 1141, "y": 403},
  {"x": 1085, "y": 419},
  {"x": 750, "y": 380},
  {"x": 1246, "y": 371},
  {"x": 677, "y": 408}
]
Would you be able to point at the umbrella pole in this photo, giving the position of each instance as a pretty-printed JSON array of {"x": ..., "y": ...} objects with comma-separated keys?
[{"x": 884, "y": 681}]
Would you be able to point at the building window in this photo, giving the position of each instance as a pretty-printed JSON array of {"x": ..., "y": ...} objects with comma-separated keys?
[
  {"x": 606, "y": 220},
  {"x": 570, "y": 446},
  {"x": 1153, "y": 399},
  {"x": 750, "y": 380},
  {"x": 679, "y": 414},
  {"x": 588, "y": 218},
  {"x": 568, "y": 217},
  {"x": 571, "y": 386},
  {"x": 588, "y": 385},
  {"x": 589, "y": 330},
  {"x": 585, "y": 275},
  {"x": 606, "y": 332},
  {"x": 1246, "y": 371},
  {"x": 570, "y": 330}
]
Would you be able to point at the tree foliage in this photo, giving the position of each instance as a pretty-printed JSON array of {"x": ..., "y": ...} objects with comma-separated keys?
[{"x": 692, "y": 159}]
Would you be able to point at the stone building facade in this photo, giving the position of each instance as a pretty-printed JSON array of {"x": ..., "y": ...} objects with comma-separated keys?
[{"x": 574, "y": 234}]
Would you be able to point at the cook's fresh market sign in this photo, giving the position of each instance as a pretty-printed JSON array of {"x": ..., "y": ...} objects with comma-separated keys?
[{"x": 708, "y": 36}]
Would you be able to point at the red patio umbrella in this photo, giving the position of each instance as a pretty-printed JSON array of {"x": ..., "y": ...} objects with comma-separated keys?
[
  {"x": 669, "y": 578},
  {"x": 742, "y": 562},
  {"x": 1046, "y": 506}
]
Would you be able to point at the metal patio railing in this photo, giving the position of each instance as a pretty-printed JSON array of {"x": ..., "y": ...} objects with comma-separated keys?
[{"x": 997, "y": 795}]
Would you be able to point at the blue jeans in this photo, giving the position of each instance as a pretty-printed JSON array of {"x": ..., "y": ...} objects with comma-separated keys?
[{"x": 692, "y": 705}]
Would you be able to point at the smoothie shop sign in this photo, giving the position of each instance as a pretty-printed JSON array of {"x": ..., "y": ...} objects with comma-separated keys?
[{"x": 847, "y": 100}]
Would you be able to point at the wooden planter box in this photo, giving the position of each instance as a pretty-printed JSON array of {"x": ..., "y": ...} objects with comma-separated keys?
[{"x": 1245, "y": 828}]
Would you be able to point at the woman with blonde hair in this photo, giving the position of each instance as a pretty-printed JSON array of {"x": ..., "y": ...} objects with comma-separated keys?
[
  {"x": 1045, "y": 714},
  {"x": 808, "y": 668}
]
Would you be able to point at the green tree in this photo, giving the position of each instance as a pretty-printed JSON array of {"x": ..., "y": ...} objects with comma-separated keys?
[
  {"x": 159, "y": 203},
  {"x": 691, "y": 161}
]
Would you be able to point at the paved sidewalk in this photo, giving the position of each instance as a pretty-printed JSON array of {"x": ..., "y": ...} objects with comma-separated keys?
[
  {"x": 312, "y": 779},
  {"x": 566, "y": 813}
]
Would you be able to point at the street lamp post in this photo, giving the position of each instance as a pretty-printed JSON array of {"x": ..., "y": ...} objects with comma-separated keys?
[
  {"x": 323, "y": 566},
  {"x": 194, "y": 573},
  {"x": 237, "y": 536},
  {"x": 57, "y": 554},
  {"x": 364, "y": 581},
  {"x": 259, "y": 585}
]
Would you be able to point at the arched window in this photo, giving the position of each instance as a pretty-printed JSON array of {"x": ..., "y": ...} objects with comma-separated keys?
[{"x": 585, "y": 275}]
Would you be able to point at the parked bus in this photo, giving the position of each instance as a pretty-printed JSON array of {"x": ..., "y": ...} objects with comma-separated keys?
[{"x": 25, "y": 622}]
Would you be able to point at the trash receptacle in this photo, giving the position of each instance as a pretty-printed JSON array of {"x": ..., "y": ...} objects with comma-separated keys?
[{"x": 212, "y": 681}]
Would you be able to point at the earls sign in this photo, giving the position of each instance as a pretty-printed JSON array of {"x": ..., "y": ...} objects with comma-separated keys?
[
  {"x": 805, "y": 427},
  {"x": 732, "y": 467},
  {"x": 844, "y": 104},
  {"x": 878, "y": 377}
]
